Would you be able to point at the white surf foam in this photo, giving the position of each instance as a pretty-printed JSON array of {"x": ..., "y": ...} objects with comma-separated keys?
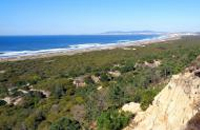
[{"x": 14, "y": 54}]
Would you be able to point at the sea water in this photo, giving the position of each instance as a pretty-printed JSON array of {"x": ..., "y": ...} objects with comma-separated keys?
[{"x": 13, "y": 46}]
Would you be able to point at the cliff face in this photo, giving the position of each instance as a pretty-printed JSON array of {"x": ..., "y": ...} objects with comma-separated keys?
[{"x": 173, "y": 107}]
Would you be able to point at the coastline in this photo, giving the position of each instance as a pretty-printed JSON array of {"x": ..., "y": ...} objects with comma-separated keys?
[{"x": 60, "y": 52}]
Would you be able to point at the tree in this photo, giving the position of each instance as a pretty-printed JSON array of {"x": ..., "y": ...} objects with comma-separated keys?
[
  {"x": 117, "y": 95},
  {"x": 59, "y": 91},
  {"x": 34, "y": 120},
  {"x": 112, "y": 120},
  {"x": 65, "y": 123},
  {"x": 104, "y": 77},
  {"x": 129, "y": 66},
  {"x": 147, "y": 98},
  {"x": 2, "y": 102},
  {"x": 3, "y": 90}
]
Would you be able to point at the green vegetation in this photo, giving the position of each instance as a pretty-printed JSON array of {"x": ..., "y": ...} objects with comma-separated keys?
[
  {"x": 112, "y": 120},
  {"x": 65, "y": 124},
  {"x": 2, "y": 102},
  {"x": 51, "y": 99}
]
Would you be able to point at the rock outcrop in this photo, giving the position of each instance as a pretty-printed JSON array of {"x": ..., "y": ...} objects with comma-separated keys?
[
  {"x": 132, "y": 107},
  {"x": 173, "y": 107}
]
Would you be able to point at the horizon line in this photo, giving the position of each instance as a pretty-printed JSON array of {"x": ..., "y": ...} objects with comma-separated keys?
[{"x": 104, "y": 33}]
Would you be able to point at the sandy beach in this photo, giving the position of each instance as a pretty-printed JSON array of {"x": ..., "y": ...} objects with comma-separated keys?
[{"x": 161, "y": 39}]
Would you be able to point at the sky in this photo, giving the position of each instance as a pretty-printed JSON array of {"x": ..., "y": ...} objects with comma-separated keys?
[{"x": 60, "y": 17}]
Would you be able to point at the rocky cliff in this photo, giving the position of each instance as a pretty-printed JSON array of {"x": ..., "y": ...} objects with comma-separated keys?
[{"x": 174, "y": 108}]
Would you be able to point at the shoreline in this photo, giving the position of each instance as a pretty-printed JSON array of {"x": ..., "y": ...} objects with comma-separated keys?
[{"x": 61, "y": 52}]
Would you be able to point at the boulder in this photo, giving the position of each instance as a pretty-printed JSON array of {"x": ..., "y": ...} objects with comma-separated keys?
[{"x": 132, "y": 107}]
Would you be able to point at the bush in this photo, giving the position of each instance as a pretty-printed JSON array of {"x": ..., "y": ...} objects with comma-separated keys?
[
  {"x": 32, "y": 99},
  {"x": 2, "y": 102},
  {"x": 117, "y": 95},
  {"x": 65, "y": 123},
  {"x": 104, "y": 77},
  {"x": 147, "y": 97},
  {"x": 34, "y": 120},
  {"x": 59, "y": 91},
  {"x": 3, "y": 90},
  {"x": 79, "y": 100},
  {"x": 34, "y": 79},
  {"x": 112, "y": 120},
  {"x": 128, "y": 67}
]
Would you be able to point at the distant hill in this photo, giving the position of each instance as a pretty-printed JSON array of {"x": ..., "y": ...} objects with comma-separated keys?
[{"x": 144, "y": 32}]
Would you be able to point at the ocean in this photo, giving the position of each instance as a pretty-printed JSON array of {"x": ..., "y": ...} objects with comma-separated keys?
[{"x": 13, "y": 46}]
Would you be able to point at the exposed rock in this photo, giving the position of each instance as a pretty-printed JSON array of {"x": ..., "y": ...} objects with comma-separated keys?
[
  {"x": 173, "y": 107},
  {"x": 155, "y": 64},
  {"x": 173, "y": 56},
  {"x": 17, "y": 101},
  {"x": 79, "y": 82},
  {"x": 132, "y": 107},
  {"x": 44, "y": 92},
  {"x": 95, "y": 78},
  {"x": 12, "y": 90},
  {"x": 99, "y": 88},
  {"x": 114, "y": 73},
  {"x": 128, "y": 49},
  {"x": 23, "y": 91},
  {"x": 13, "y": 100},
  {"x": 49, "y": 61},
  {"x": 8, "y": 100},
  {"x": 117, "y": 65},
  {"x": 2, "y": 71}
]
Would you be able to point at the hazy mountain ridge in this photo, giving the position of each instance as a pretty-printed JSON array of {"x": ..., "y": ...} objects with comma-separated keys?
[{"x": 144, "y": 32}]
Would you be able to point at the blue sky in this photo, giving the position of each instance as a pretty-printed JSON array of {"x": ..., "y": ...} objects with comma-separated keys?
[{"x": 48, "y": 17}]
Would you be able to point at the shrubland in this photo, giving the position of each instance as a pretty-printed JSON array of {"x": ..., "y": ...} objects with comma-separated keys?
[{"x": 97, "y": 104}]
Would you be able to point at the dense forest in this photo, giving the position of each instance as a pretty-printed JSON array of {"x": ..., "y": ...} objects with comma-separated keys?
[{"x": 86, "y": 91}]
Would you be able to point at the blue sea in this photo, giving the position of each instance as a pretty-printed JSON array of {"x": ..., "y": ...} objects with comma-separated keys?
[{"x": 13, "y": 46}]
